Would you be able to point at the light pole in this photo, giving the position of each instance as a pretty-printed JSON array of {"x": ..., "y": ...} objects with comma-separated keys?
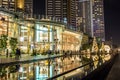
[
  {"x": 49, "y": 36},
  {"x": 28, "y": 42},
  {"x": 7, "y": 35},
  {"x": 43, "y": 46},
  {"x": 30, "y": 34},
  {"x": 56, "y": 41},
  {"x": 33, "y": 36},
  {"x": 29, "y": 25}
]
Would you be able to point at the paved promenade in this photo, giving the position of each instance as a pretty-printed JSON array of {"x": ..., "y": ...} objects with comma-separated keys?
[
  {"x": 25, "y": 59},
  {"x": 114, "y": 73}
]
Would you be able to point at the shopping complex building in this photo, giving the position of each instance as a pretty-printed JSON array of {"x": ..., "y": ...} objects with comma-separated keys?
[{"x": 39, "y": 34}]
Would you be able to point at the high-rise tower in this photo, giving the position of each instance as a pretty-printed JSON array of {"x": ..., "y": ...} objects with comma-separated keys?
[
  {"x": 83, "y": 16},
  {"x": 25, "y": 6},
  {"x": 63, "y": 9},
  {"x": 97, "y": 18},
  {"x": 90, "y": 17}
]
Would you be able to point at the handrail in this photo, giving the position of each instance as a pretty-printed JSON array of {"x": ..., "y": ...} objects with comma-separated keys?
[
  {"x": 101, "y": 72},
  {"x": 56, "y": 76}
]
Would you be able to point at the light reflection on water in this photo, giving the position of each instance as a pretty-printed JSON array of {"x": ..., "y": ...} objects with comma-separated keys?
[
  {"x": 44, "y": 69},
  {"x": 39, "y": 70}
]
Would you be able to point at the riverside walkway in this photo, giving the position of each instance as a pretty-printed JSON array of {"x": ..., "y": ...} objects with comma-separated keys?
[
  {"x": 26, "y": 59},
  {"x": 108, "y": 71},
  {"x": 114, "y": 73},
  {"x": 48, "y": 65}
]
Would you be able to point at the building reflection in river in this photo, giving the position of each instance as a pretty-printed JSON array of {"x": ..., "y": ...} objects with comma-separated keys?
[{"x": 39, "y": 70}]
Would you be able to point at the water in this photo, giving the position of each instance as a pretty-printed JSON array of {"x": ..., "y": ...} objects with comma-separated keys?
[{"x": 39, "y": 69}]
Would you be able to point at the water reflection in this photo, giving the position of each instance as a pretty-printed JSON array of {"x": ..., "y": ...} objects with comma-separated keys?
[
  {"x": 39, "y": 70},
  {"x": 49, "y": 67}
]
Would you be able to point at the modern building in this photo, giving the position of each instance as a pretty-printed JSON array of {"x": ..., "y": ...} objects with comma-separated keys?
[
  {"x": 83, "y": 18},
  {"x": 42, "y": 35},
  {"x": 98, "y": 19},
  {"x": 28, "y": 6},
  {"x": 90, "y": 17},
  {"x": 8, "y": 4},
  {"x": 63, "y": 9},
  {"x": 25, "y": 6}
]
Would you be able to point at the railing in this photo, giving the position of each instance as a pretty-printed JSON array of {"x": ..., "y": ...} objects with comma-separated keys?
[
  {"x": 81, "y": 73},
  {"x": 76, "y": 73}
]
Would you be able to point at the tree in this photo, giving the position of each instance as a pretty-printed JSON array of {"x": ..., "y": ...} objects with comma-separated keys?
[
  {"x": 85, "y": 39},
  {"x": 3, "y": 71},
  {"x": 86, "y": 42},
  {"x": 95, "y": 46},
  {"x": 13, "y": 43},
  {"x": 102, "y": 49},
  {"x": 86, "y": 46},
  {"x": 3, "y": 42}
]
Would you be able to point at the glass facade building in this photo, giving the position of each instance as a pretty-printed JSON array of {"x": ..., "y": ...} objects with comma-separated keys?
[
  {"x": 98, "y": 19},
  {"x": 90, "y": 17},
  {"x": 41, "y": 35},
  {"x": 62, "y": 9},
  {"x": 25, "y": 6}
]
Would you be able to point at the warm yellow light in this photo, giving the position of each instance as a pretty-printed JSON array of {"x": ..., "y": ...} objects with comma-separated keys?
[
  {"x": 20, "y": 4},
  {"x": 69, "y": 32},
  {"x": 28, "y": 24},
  {"x": 107, "y": 57}
]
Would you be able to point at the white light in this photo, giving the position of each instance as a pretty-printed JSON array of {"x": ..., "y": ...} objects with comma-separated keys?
[{"x": 21, "y": 39}]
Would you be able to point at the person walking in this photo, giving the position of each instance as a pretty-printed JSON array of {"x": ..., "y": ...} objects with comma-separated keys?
[{"x": 18, "y": 53}]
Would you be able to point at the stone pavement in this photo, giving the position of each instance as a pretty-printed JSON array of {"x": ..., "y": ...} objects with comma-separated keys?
[
  {"x": 114, "y": 73},
  {"x": 25, "y": 59}
]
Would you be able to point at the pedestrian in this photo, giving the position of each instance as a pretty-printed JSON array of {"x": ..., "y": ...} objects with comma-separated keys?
[
  {"x": 49, "y": 52},
  {"x": 6, "y": 53},
  {"x": 18, "y": 53}
]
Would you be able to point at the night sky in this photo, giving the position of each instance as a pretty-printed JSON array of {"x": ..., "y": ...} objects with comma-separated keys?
[
  {"x": 111, "y": 12},
  {"x": 112, "y": 22}
]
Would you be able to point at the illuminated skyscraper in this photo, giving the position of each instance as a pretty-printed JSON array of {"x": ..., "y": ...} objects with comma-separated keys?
[
  {"x": 63, "y": 9},
  {"x": 83, "y": 16},
  {"x": 8, "y": 4},
  {"x": 97, "y": 18},
  {"x": 25, "y": 6},
  {"x": 90, "y": 17},
  {"x": 28, "y": 6}
]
